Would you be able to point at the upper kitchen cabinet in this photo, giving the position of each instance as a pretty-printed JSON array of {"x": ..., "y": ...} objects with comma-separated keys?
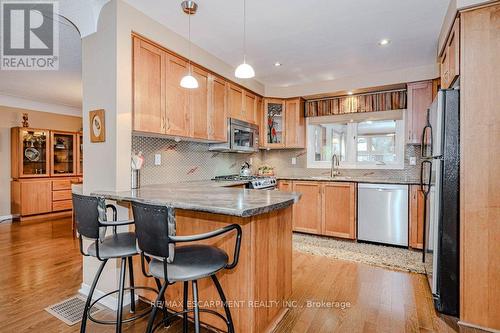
[
  {"x": 64, "y": 155},
  {"x": 419, "y": 100},
  {"x": 259, "y": 113},
  {"x": 30, "y": 149},
  {"x": 250, "y": 107},
  {"x": 177, "y": 114},
  {"x": 274, "y": 123},
  {"x": 235, "y": 102},
  {"x": 450, "y": 57},
  {"x": 295, "y": 124},
  {"x": 198, "y": 105},
  {"x": 217, "y": 114},
  {"x": 149, "y": 87}
]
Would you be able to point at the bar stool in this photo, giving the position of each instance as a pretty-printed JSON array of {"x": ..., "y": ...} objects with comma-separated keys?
[
  {"x": 155, "y": 229},
  {"x": 91, "y": 223}
]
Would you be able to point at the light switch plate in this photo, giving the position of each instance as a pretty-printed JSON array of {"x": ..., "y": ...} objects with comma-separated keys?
[
  {"x": 413, "y": 160},
  {"x": 157, "y": 159},
  {"x": 294, "y": 160}
]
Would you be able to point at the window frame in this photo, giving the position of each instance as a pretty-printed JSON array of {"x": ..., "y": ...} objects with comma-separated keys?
[{"x": 351, "y": 149}]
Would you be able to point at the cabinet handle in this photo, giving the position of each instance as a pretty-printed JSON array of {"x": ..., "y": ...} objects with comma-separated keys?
[{"x": 167, "y": 125}]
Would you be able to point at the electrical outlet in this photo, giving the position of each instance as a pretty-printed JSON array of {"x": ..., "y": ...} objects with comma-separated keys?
[
  {"x": 294, "y": 160},
  {"x": 157, "y": 159},
  {"x": 413, "y": 160}
]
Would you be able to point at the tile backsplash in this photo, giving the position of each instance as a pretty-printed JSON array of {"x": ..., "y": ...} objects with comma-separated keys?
[{"x": 184, "y": 161}]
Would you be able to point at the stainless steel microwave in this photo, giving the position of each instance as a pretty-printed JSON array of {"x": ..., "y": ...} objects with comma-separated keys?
[{"x": 242, "y": 137}]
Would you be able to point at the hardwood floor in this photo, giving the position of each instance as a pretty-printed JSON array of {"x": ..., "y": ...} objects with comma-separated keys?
[{"x": 41, "y": 265}]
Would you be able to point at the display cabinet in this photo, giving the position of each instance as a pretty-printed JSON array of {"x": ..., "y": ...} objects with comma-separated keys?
[
  {"x": 63, "y": 157},
  {"x": 30, "y": 152},
  {"x": 274, "y": 122}
]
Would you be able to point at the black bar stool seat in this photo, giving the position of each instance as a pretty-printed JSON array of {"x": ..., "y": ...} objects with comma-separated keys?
[
  {"x": 192, "y": 262},
  {"x": 115, "y": 246}
]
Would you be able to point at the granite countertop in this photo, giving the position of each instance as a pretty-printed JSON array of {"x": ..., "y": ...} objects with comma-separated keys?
[
  {"x": 208, "y": 196},
  {"x": 360, "y": 179}
]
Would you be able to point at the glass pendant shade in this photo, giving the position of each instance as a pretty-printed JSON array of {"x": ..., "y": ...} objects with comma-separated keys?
[
  {"x": 244, "y": 71},
  {"x": 189, "y": 82}
]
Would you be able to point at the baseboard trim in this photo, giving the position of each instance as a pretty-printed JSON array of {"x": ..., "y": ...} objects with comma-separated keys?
[
  {"x": 463, "y": 323},
  {"x": 8, "y": 217},
  {"x": 110, "y": 302}
]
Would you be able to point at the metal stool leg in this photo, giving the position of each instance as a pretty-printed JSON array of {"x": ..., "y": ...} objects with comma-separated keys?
[
  {"x": 83, "y": 326},
  {"x": 164, "y": 302},
  {"x": 184, "y": 308},
  {"x": 120, "y": 296},
  {"x": 131, "y": 282},
  {"x": 196, "y": 309},
  {"x": 155, "y": 308},
  {"x": 229, "y": 319}
]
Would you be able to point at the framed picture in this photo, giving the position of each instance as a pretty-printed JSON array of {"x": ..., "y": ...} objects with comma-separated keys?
[{"x": 97, "y": 126}]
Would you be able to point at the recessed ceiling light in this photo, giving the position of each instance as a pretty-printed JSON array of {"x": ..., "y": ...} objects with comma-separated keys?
[
  {"x": 349, "y": 93},
  {"x": 384, "y": 42},
  {"x": 277, "y": 64}
]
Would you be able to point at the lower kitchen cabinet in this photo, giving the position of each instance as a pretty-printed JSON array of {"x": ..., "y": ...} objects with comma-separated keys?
[
  {"x": 325, "y": 208},
  {"x": 31, "y": 197},
  {"x": 307, "y": 212},
  {"x": 417, "y": 202},
  {"x": 339, "y": 210}
]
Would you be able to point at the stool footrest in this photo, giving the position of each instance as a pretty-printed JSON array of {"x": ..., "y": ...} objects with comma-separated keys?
[
  {"x": 175, "y": 314},
  {"x": 128, "y": 320}
]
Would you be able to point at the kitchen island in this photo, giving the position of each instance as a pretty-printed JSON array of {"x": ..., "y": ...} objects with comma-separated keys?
[{"x": 258, "y": 288}]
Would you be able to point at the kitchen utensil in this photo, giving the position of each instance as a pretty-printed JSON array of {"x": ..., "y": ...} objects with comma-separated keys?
[{"x": 245, "y": 169}]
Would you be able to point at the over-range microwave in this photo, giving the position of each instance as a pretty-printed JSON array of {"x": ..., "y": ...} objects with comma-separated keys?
[{"x": 242, "y": 137}]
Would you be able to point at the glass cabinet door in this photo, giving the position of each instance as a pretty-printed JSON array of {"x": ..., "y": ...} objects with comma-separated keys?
[
  {"x": 63, "y": 154},
  {"x": 274, "y": 122},
  {"x": 35, "y": 152}
]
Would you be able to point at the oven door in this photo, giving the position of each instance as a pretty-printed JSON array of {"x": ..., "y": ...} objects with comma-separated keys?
[{"x": 244, "y": 136}]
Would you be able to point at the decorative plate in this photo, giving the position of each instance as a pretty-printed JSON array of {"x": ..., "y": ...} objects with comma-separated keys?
[{"x": 32, "y": 154}]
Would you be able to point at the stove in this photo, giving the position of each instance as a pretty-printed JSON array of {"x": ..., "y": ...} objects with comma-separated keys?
[{"x": 254, "y": 182}]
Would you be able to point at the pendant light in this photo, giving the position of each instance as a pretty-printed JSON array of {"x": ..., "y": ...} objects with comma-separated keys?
[
  {"x": 189, "y": 81},
  {"x": 244, "y": 71}
]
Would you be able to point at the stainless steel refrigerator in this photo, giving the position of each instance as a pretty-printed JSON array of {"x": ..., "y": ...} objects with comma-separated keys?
[{"x": 439, "y": 181}]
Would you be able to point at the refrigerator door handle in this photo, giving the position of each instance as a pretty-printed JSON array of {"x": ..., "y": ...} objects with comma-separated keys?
[
  {"x": 425, "y": 144},
  {"x": 425, "y": 186}
]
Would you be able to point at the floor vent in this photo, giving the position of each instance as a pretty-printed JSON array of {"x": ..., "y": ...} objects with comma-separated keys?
[{"x": 70, "y": 311}]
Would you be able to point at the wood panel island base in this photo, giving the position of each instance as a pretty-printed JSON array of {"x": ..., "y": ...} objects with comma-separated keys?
[{"x": 259, "y": 287}]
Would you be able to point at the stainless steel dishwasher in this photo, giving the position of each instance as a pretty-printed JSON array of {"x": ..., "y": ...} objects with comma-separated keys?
[{"x": 383, "y": 213}]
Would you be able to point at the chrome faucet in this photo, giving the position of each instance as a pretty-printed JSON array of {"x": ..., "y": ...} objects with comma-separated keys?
[{"x": 334, "y": 171}]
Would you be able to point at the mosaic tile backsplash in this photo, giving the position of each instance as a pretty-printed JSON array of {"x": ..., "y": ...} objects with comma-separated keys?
[{"x": 185, "y": 161}]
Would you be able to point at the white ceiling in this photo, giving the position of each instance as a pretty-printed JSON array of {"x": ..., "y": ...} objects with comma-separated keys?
[
  {"x": 315, "y": 40},
  {"x": 61, "y": 87}
]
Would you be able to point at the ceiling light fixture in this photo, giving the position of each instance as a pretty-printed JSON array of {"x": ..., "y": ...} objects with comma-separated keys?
[
  {"x": 384, "y": 42},
  {"x": 189, "y": 81},
  {"x": 277, "y": 64},
  {"x": 244, "y": 71}
]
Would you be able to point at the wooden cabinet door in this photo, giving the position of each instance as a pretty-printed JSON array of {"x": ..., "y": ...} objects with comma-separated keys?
[
  {"x": 417, "y": 203},
  {"x": 307, "y": 212},
  {"x": 235, "y": 102},
  {"x": 177, "y": 120},
  {"x": 444, "y": 69},
  {"x": 453, "y": 51},
  {"x": 36, "y": 197},
  {"x": 30, "y": 152},
  {"x": 259, "y": 114},
  {"x": 339, "y": 209},
  {"x": 148, "y": 87},
  {"x": 419, "y": 100},
  {"x": 295, "y": 130},
  {"x": 250, "y": 107},
  {"x": 198, "y": 105},
  {"x": 218, "y": 109},
  {"x": 63, "y": 153},
  {"x": 285, "y": 185}
]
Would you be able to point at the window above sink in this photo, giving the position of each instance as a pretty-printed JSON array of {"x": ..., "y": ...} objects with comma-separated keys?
[{"x": 374, "y": 141}]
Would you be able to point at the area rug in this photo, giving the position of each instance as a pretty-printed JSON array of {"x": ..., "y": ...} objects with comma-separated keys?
[{"x": 377, "y": 255}]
